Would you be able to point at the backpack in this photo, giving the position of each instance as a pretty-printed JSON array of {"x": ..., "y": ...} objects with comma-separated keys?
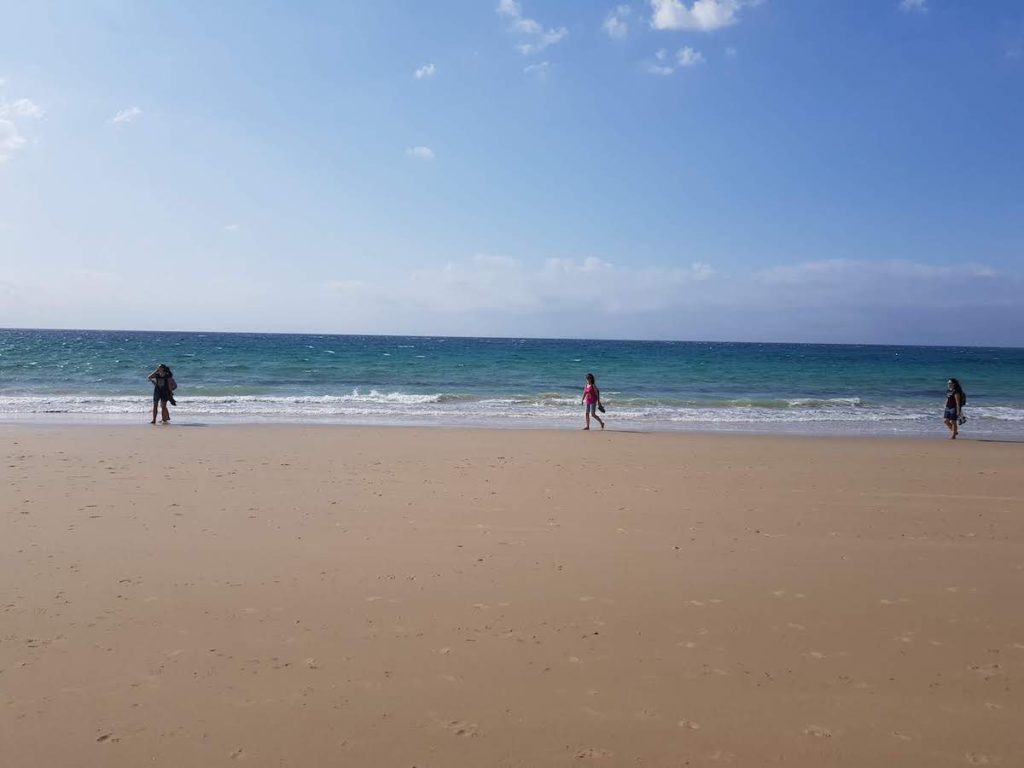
[{"x": 963, "y": 397}]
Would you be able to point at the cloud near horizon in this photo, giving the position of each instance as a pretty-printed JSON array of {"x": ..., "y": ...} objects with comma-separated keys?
[
  {"x": 827, "y": 300},
  {"x": 832, "y": 300}
]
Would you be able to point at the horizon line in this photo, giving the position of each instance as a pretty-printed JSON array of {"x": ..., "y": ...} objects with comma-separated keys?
[{"x": 520, "y": 337}]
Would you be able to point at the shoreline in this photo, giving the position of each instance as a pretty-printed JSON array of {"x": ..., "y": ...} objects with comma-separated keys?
[
  {"x": 470, "y": 429},
  {"x": 791, "y": 429}
]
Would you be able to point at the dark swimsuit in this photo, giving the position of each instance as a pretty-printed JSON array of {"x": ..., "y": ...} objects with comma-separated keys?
[
  {"x": 950, "y": 414},
  {"x": 161, "y": 389}
]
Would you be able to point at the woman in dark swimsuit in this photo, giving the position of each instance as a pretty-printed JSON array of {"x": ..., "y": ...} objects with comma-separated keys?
[
  {"x": 954, "y": 402},
  {"x": 162, "y": 392}
]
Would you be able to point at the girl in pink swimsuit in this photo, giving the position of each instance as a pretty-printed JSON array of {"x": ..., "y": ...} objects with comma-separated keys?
[{"x": 591, "y": 399}]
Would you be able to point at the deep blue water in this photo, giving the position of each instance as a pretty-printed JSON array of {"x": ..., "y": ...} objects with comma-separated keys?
[{"x": 101, "y": 375}]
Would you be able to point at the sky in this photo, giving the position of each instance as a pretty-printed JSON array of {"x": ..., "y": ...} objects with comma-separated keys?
[{"x": 847, "y": 171}]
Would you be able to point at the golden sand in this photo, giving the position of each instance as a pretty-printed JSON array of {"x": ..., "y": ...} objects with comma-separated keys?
[{"x": 331, "y": 596}]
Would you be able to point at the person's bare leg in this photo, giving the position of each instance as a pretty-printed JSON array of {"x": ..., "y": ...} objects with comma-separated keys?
[
  {"x": 163, "y": 411},
  {"x": 587, "y": 414},
  {"x": 599, "y": 420},
  {"x": 154, "y": 413}
]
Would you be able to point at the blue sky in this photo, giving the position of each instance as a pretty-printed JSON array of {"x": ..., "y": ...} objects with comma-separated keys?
[{"x": 719, "y": 169}]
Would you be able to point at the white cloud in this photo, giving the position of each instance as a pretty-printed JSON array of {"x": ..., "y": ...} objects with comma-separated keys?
[
  {"x": 687, "y": 57},
  {"x": 703, "y": 15},
  {"x": 427, "y": 70},
  {"x": 231, "y": 227},
  {"x": 731, "y": 52},
  {"x": 538, "y": 70},
  {"x": 538, "y": 37},
  {"x": 829, "y": 300},
  {"x": 914, "y": 6},
  {"x": 420, "y": 152},
  {"x": 22, "y": 108},
  {"x": 615, "y": 23},
  {"x": 11, "y": 138},
  {"x": 665, "y": 65},
  {"x": 126, "y": 115}
]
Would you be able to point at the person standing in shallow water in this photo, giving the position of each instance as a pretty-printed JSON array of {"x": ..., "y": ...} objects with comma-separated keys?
[
  {"x": 952, "y": 415},
  {"x": 163, "y": 392},
  {"x": 591, "y": 400}
]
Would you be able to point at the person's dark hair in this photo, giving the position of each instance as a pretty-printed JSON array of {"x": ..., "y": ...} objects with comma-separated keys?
[
  {"x": 166, "y": 368},
  {"x": 590, "y": 378},
  {"x": 956, "y": 385}
]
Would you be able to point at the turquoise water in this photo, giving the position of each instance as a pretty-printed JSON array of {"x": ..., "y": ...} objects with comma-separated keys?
[{"x": 836, "y": 389}]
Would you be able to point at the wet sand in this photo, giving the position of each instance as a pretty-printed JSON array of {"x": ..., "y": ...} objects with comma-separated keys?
[{"x": 332, "y": 596}]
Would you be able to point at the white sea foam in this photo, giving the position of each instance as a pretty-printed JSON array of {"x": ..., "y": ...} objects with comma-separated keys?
[{"x": 836, "y": 415}]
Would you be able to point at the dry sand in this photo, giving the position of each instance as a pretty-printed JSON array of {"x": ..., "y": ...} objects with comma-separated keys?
[{"x": 334, "y": 596}]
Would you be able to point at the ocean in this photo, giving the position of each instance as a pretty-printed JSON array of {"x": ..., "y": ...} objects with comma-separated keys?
[{"x": 100, "y": 376}]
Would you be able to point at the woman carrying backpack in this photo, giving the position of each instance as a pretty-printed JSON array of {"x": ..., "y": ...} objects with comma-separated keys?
[{"x": 953, "y": 416}]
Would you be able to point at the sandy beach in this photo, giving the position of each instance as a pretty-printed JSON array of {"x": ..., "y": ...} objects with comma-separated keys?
[{"x": 314, "y": 596}]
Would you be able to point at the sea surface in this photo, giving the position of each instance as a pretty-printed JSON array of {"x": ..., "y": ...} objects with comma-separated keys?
[{"x": 100, "y": 376}]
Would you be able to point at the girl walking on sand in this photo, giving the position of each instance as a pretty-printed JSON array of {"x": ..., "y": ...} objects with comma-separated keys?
[{"x": 591, "y": 401}]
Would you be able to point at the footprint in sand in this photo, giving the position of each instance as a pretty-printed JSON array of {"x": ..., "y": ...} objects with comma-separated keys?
[
  {"x": 462, "y": 728},
  {"x": 902, "y": 736},
  {"x": 592, "y": 752},
  {"x": 976, "y": 758},
  {"x": 986, "y": 670},
  {"x": 721, "y": 756},
  {"x": 238, "y": 754},
  {"x": 689, "y": 725},
  {"x": 818, "y": 732}
]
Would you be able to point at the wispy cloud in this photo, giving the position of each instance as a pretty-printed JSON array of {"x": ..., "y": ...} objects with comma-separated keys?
[
  {"x": 231, "y": 227},
  {"x": 540, "y": 69},
  {"x": 537, "y": 37},
  {"x": 11, "y": 139},
  {"x": 21, "y": 108},
  {"x": 126, "y": 115},
  {"x": 665, "y": 63},
  {"x": 687, "y": 57},
  {"x": 616, "y": 23},
  {"x": 427, "y": 70},
  {"x": 829, "y": 300},
  {"x": 11, "y": 115},
  {"x": 420, "y": 152},
  {"x": 703, "y": 15},
  {"x": 914, "y": 6}
]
